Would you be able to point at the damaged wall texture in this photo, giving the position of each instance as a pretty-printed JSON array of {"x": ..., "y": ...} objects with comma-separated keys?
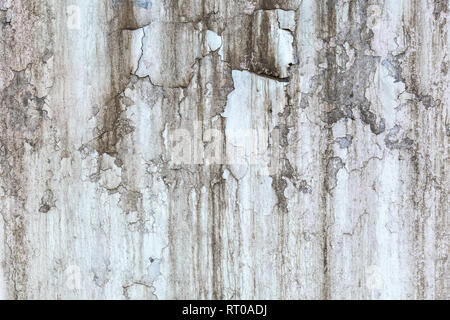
[{"x": 349, "y": 197}]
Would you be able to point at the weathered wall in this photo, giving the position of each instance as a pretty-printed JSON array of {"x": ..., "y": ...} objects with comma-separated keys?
[{"x": 242, "y": 149}]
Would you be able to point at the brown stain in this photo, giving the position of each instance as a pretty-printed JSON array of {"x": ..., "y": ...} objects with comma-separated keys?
[
  {"x": 112, "y": 125},
  {"x": 343, "y": 91},
  {"x": 196, "y": 256},
  {"x": 218, "y": 206},
  {"x": 124, "y": 14},
  {"x": 440, "y": 6},
  {"x": 277, "y": 4},
  {"x": 415, "y": 166},
  {"x": 327, "y": 13},
  {"x": 255, "y": 49},
  {"x": 262, "y": 53}
]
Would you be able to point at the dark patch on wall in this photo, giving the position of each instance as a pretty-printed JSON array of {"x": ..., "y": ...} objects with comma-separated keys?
[
  {"x": 277, "y": 4},
  {"x": 440, "y": 6},
  {"x": 22, "y": 119},
  {"x": 392, "y": 140},
  {"x": 428, "y": 101},
  {"x": 338, "y": 113},
  {"x": 394, "y": 66},
  {"x": 24, "y": 110},
  {"x": 256, "y": 49},
  {"x": 124, "y": 11},
  {"x": 47, "y": 202},
  {"x": 344, "y": 89},
  {"x": 4, "y": 17},
  {"x": 370, "y": 118},
  {"x": 114, "y": 126}
]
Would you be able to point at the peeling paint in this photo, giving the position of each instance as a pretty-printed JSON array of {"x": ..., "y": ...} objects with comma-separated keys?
[{"x": 313, "y": 139}]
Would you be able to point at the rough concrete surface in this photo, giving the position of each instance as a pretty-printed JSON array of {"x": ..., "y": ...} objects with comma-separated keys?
[{"x": 215, "y": 149}]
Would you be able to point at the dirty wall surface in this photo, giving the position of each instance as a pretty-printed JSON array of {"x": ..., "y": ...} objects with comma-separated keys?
[{"x": 215, "y": 149}]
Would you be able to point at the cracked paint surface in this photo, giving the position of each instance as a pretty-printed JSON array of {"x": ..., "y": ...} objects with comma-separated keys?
[{"x": 315, "y": 153}]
